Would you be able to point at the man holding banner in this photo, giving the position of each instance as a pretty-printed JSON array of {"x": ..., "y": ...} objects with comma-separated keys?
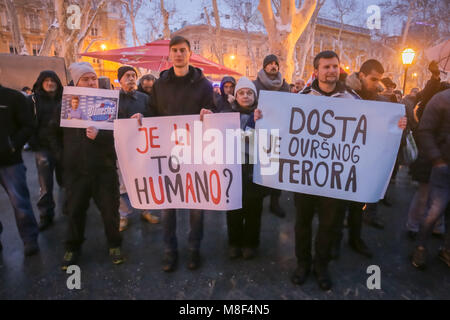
[
  {"x": 132, "y": 104},
  {"x": 181, "y": 90},
  {"x": 270, "y": 78},
  {"x": 326, "y": 148}
]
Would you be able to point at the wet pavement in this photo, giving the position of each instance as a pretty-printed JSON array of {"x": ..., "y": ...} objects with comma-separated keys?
[{"x": 266, "y": 277}]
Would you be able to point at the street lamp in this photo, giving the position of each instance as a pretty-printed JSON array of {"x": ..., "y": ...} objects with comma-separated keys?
[
  {"x": 407, "y": 57},
  {"x": 103, "y": 46}
]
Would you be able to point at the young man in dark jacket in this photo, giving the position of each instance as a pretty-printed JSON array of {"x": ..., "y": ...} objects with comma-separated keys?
[
  {"x": 226, "y": 98},
  {"x": 181, "y": 90},
  {"x": 16, "y": 127},
  {"x": 132, "y": 104},
  {"x": 90, "y": 171},
  {"x": 269, "y": 78},
  {"x": 44, "y": 101},
  {"x": 434, "y": 138}
]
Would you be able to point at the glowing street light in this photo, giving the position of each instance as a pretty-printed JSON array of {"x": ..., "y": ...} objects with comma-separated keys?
[
  {"x": 232, "y": 57},
  {"x": 407, "y": 57},
  {"x": 103, "y": 46}
]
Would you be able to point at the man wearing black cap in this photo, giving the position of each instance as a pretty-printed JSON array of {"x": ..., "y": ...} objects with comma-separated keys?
[
  {"x": 270, "y": 79},
  {"x": 132, "y": 104}
]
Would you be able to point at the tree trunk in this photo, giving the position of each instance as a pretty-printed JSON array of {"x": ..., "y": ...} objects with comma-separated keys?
[
  {"x": 18, "y": 41},
  {"x": 310, "y": 39},
  {"x": 408, "y": 21},
  {"x": 284, "y": 30},
  {"x": 218, "y": 37},
  {"x": 165, "y": 14}
]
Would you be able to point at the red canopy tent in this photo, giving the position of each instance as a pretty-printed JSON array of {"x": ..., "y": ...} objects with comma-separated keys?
[{"x": 155, "y": 56}]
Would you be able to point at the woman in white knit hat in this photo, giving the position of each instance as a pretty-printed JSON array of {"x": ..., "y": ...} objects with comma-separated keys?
[{"x": 244, "y": 224}]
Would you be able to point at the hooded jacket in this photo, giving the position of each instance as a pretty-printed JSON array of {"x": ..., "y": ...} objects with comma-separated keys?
[
  {"x": 186, "y": 95},
  {"x": 353, "y": 82},
  {"x": 222, "y": 103},
  {"x": 434, "y": 128},
  {"x": 16, "y": 125},
  {"x": 43, "y": 106}
]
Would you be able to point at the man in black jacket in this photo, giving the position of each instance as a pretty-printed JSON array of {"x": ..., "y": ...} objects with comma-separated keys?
[
  {"x": 181, "y": 90},
  {"x": 434, "y": 141},
  {"x": 45, "y": 100},
  {"x": 132, "y": 104},
  {"x": 269, "y": 78},
  {"x": 16, "y": 127},
  {"x": 90, "y": 171}
]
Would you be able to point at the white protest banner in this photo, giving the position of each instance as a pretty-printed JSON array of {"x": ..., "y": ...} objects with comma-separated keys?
[
  {"x": 178, "y": 162},
  {"x": 332, "y": 147},
  {"x": 85, "y": 107}
]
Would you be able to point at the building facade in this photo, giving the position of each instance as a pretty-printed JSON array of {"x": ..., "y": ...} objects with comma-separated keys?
[
  {"x": 244, "y": 52},
  {"x": 34, "y": 18}
]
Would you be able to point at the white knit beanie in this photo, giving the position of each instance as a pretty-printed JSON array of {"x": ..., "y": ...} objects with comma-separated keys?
[
  {"x": 77, "y": 69},
  {"x": 246, "y": 83}
]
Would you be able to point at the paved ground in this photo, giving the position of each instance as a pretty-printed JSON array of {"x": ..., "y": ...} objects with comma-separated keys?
[{"x": 266, "y": 277}]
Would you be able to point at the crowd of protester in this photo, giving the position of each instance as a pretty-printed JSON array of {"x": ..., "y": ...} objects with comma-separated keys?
[{"x": 84, "y": 162}]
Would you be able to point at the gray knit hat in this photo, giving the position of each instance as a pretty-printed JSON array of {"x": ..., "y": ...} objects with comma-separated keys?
[
  {"x": 77, "y": 69},
  {"x": 245, "y": 83}
]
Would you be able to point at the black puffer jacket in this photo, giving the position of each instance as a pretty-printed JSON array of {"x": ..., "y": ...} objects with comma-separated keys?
[
  {"x": 186, "y": 95},
  {"x": 43, "y": 106},
  {"x": 16, "y": 125},
  {"x": 222, "y": 104},
  {"x": 434, "y": 128}
]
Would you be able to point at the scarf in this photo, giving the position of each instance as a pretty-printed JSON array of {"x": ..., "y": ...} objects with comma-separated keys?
[{"x": 269, "y": 84}]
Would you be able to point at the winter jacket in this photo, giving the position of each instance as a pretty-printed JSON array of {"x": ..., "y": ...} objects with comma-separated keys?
[
  {"x": 222, "y": 103},
  {"x": 79, "y": 154},
  {"x": 353, "y": 82},
  {"x": 43, "y": 107},
  {"x": 432, "y": 87},
  {"x": 186, "y": 95},
  {"x": 132, "y": 103},
  {"x": 434, "y": 128},
  {"x": 16, "y": 125},
  {"x": 339, "y": 92}
]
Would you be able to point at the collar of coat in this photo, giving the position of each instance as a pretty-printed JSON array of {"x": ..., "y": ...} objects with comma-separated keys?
[{"x": 340, "y": 91}]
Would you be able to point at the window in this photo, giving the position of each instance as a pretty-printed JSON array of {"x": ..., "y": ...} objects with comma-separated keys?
[
  {"x": 12, "y": 49},
  {"x": 122, "y": 34},
  {"x": 3, "y": 19},
  {"x": 235, "y": 48},
  {"x": 34, "y": 22},
  {"x": 35, "y": 48},
  {"x": 196, "y": 46},
  {"x": 224, "y": 47},
  {"x": 247, "y": 71},
  {"x": 94, "y": 31},
  {"x": 257, "y": 52}
]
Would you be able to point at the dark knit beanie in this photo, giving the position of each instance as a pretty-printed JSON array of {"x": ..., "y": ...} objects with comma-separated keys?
[
  {"x": 270, "y": 58},
  {"x": 122, "y": 70}
]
